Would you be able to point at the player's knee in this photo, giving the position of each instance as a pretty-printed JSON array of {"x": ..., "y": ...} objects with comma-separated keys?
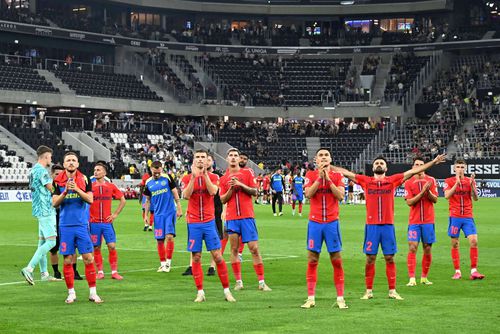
[
  {"x": 88, "y": 258},
  {"x": 170, "y": 237},
  {"x": 196, "y": 257},
  {"x": 473, "y": 242},
  {"x": 389, "y": 258},
  {"x": 68, "y": 259},
  {"x": 50, "y": 243},
  {"x": 427, "y": 248},
  {"x": 413, "y": 248},
  {"x": 111, "y": 246},
  {"x": 454, "y": 243}
]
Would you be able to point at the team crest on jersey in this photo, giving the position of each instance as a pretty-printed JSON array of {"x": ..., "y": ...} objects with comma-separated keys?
[
  {"x": 163, "y": 183},
  {"x": 306, "y": 181}
]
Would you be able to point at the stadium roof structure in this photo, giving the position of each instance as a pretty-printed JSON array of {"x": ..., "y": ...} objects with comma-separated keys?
[{"x": 295, "y": 7}]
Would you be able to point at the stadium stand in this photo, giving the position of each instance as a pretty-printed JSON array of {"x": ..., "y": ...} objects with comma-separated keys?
[
  {"x": 18, "y": 77},
  {"x": 106, "y": 84},
  {"x": 13, "y": 168},
  {"x": 405, "y": 69},
  {"x": 262, "y": 81}
]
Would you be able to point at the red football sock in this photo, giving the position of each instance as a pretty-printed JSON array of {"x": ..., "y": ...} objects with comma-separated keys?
[
  {"x": 69, "y": 275},
  {"x": 300, "y": 207},
  {"x": 197, "y": 275},
  {"x": 236, "y": 270},
  {"x": 426, "y": 264},
  {"x": 455, "y": 256},
  {"x": 90, "y": 274},
  {"x": 311, "y": 278},
  {"x": 293, "y": 205},
  {"x": 223, "y": 245},
  {"x": 369, "y": 275},
  {"x": 151, "y": 219},
  {"x": 242, "y": 246},
  {"x": 390, "y": 271},
  {"x": 259, "y": 270},
  {"x": 170, "y": 249},
  {"x": 338, "y": 276},
  {"x": 161, "y": 250},
  {"x": 473, "y": 257},
  {"x": 411, "y": 262},
  {"x": 223, "y": 275},
  {"x": 113, "y": 259},
  {"x": 98, "y": 258}
]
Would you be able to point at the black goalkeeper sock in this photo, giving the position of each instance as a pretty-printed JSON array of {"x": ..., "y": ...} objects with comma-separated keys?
[{"x": 55, "y": 268}]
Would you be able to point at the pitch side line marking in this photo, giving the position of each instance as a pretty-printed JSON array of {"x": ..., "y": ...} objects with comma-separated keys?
[
  {"x": 133, "y": 249},
  {"x": 279, "y": 257}
]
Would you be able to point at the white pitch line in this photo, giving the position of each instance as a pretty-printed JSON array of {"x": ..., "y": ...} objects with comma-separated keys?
[
  {"x": 133, "y": 249},
  {"x": 277, "y": 257}
]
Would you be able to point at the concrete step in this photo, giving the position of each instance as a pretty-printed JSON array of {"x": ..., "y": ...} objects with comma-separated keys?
[{"x": 56, "y": 82}]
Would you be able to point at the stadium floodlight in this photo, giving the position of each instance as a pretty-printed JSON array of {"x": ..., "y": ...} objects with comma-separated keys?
[
  {"x": 311, "y": 116},
  {"x": 162, "y": 111},
  {"x": 347, "y": 2},
  {"x": 82, "y": 105},
  {"x": 328, "y": 108}
]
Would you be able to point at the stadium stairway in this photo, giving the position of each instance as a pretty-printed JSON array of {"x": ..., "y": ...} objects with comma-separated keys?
[
  {"x": 381, "y": 77},
  {"x": 178, "y": 71},
  {"x": 313, "y": 144},
  {"x": 14, "y": 143},
  {"x": 56, "y": 82}
]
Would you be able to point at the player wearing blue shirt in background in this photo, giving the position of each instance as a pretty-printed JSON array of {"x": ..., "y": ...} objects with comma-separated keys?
[
  {"x": 161, "y": 192},
  {"x": 298, "y": 192},
  {"x": 41, "y": 194},
  {"x": 277, "y": 187}
]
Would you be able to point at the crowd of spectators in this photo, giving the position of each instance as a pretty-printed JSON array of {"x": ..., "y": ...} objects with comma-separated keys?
[
  {"x": 405, "y": 68},
  {"x": 370, "y": 65}
]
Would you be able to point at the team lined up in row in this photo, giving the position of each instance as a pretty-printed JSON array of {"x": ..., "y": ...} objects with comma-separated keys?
[{"x": 73, "y": 193}]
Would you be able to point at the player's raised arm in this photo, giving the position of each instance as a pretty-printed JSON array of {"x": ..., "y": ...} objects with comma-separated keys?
[
  {"x": 188, "y": 188},
  {"x": 449, "y": 192},
  {"x": 437, "y": 160},
  {"x": 247, "y": 189},
  {"x": 350, "y": 175},
  {"x": 473, "y": 187},
  {"x": 415, "y": 199},
  {"x": 211, "y": 187}
]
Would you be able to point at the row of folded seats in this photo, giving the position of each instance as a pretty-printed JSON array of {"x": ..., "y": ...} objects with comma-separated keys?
[
  {"x": 15, "y": 77},
  {"x": 106, "y": 85}
]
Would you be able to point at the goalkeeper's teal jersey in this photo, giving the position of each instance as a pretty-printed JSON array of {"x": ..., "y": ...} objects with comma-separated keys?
[{"x": 41, "y": 197}]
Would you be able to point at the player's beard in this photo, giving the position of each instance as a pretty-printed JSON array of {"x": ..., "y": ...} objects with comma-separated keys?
[
  {"x": 379, "y": 171},
  {"x": 242, "y": 164}
]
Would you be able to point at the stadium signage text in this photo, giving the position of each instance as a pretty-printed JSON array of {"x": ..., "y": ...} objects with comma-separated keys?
[
  {"x": 119, "y": 40},
  {"x": 480, "y": 169},
  {"x": 77, "y": 35},
  {"x": 15, "y": 196}
]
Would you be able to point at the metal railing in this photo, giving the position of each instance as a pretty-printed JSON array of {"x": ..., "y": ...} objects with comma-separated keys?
[{"x": 68, "y": 122}]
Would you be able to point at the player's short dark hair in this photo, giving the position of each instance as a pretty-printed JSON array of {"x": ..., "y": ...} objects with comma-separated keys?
[
  {"x": 156, "y": 164},
  {"x": 70, "y": 153},
  {"x": 323, "y": 149},
  {"x": 233, "y": 149},
  {"x": 419, "y": 159},
  {"x": 211, "y": 155},
  {"x": 460, "y": 161},
  {"x": 103, "y": 164},
  {"x": 42, "y": 149},
  {"x": 56, "y": 167},
  {"x": 201, "y": 151},
  {"x": 243, "y": 154},
  {"x": 380, "y": 158}
]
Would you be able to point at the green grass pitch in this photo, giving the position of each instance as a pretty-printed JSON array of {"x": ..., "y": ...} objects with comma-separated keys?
[{"x": 146, "y": 301}]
